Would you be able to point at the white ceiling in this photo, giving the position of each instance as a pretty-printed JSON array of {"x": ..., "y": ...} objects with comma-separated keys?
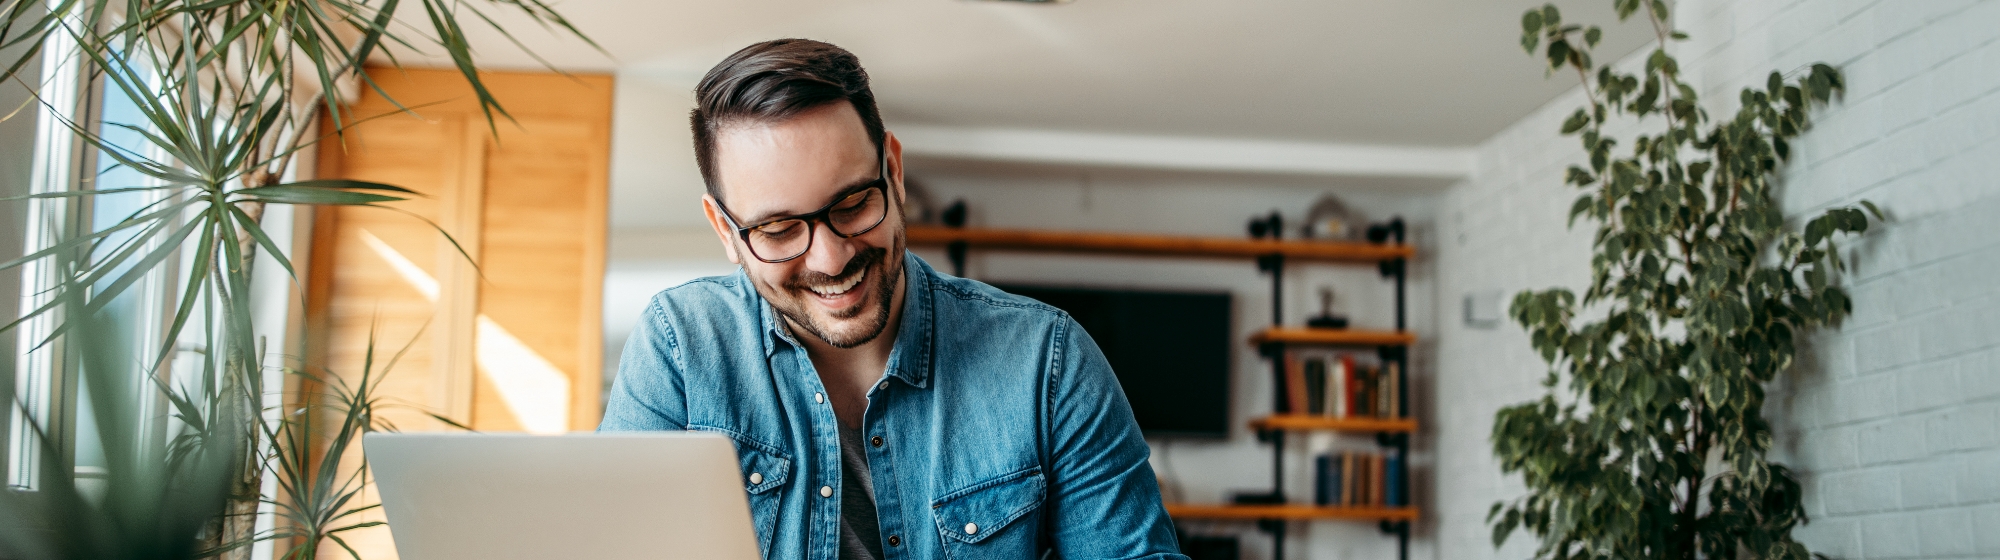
[{"x": 1410, "y": 73}]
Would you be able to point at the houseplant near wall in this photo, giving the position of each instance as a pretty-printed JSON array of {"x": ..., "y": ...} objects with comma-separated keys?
[
  {"x": 1651, "y": 441},
  {"x": 227, "y": 93}
]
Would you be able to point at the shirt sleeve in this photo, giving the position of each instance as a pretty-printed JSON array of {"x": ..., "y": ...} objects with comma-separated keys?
[
  {"x": 647, "y": 394},
  {"x": 1104, "y": 500}
]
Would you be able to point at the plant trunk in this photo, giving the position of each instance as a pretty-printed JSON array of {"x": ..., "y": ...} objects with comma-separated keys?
[{"x": 235, "y": 532}]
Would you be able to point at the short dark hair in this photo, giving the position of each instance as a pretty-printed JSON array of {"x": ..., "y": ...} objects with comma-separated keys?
[{"x": 773, "y": 81}]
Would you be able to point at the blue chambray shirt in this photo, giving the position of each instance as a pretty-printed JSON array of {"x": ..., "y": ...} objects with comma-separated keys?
[{"x": 1004, "y": 432}]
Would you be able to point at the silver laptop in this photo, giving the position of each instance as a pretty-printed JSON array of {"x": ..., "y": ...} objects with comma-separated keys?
[{"x": 457, "y": 496}]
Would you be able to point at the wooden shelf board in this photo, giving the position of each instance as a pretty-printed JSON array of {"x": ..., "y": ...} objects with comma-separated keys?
[
  {"x": 1333, "y": 337},
  {"x": 1289, "y": 511},
  {"x": 1305, "y": 422},
  {"x": 1149, "y": 244}
]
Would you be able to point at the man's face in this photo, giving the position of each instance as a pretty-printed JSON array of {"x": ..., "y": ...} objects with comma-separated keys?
[{"x": 841, "y": 289}]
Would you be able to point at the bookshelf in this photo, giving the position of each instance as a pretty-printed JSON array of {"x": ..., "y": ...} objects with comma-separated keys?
[
  {"x": 1332, "y": 337},
  {"x": 1389, "y": 256},
  {"x": 1314, "y": 422},
  {"x": 1162, "y": 245},
  {"x": 1297, "y": 512}
]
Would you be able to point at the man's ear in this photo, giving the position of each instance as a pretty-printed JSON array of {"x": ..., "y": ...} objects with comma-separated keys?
[
  {"x": 723, "y": 233},
  {"x": 894, "y": 148}
]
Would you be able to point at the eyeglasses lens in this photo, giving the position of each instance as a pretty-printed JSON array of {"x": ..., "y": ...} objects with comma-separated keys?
[{"x": 854, "y": 215}]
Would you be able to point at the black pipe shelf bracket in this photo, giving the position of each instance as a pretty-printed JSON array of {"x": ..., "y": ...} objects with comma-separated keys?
[{"x": 1395, "y": 270}]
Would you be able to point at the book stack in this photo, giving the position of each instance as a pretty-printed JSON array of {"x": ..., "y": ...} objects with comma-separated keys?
[
  {"x": 1359, "y": 479},
  {"x": 1335, "y": 386}
]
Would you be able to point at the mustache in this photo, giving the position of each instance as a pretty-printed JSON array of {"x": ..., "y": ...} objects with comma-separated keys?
[{"x": 861, "y": 261}]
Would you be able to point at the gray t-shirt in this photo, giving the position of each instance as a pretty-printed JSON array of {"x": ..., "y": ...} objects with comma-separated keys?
[{"x": 860, "y": 533}]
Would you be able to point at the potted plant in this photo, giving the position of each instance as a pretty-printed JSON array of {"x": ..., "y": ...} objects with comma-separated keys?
[
  {"x": 227, "y": 92},
  {"x": 1651, "y": 442}
]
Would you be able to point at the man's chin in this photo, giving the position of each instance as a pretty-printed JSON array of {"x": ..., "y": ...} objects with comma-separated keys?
[{"x": 845, "y": 332}]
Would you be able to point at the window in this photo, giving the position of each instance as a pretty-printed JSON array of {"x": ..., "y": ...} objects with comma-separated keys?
[{"x": 46, "y": 376}]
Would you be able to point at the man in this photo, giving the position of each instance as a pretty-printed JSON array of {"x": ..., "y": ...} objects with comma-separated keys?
[{"x": 880, "y": 409}]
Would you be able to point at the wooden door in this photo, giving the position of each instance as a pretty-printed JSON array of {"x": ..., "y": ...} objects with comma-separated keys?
[{"x": 510, "y": 344}]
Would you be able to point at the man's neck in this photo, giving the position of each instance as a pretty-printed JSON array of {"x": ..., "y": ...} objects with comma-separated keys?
[{"x": 847, "y": 373}]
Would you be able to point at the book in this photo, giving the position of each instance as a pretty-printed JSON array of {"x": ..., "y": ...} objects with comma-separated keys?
[
  {"x": 1325, "y": 478},
  {"x": 1294, "y": 386},
  {"x": 1315, "y": 384},
  {"x": 1364, "y": 396},
  {"x": 1395, "y": 403},
  {"x": 1347, "y": 475},
  {"x": 1385, "y": 392},
  {"x": 1394, "y": 475},
  {"x": 1376, "y": 487},
  {"x": 1338, "y": 376},
  {"x": 1402, "y": 390}
]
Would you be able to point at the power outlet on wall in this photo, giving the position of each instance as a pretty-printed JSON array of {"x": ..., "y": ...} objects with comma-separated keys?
[{"x": 1483, "y": 309}]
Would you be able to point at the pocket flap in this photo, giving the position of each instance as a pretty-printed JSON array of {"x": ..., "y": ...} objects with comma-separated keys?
[
  {"x": 762, "y": 470},
  {"x": 764, "y": 467},
  {"x": 982, "y": 510}
]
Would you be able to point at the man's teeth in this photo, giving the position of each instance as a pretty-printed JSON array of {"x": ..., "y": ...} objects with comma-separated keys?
[{"x": 839, "y": 289}]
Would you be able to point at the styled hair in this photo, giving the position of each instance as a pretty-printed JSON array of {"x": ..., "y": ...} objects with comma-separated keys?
[{"x": 771, "y": 82}]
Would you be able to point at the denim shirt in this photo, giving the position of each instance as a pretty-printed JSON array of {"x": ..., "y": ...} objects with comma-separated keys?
[{"x": 1003, "y": 432}]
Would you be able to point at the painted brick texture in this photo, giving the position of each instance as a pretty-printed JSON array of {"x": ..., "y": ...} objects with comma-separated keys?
[{"x": 1893, "y": 419}]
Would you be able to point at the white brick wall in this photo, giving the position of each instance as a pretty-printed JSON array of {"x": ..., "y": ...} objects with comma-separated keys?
[{"x": 1893, "y": 420}]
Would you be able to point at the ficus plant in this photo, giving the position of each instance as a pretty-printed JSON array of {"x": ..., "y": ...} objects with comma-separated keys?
[{"x": 1651, "y": 440}]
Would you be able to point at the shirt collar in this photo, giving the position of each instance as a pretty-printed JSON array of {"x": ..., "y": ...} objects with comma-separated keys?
[{"x": 910, "y": 359}]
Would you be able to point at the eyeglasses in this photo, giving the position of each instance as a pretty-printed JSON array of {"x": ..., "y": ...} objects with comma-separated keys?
[{"x": 785, "y": 238}]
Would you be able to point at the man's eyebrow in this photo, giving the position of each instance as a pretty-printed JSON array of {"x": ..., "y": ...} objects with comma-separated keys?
[{"x": 842, "y": 193}]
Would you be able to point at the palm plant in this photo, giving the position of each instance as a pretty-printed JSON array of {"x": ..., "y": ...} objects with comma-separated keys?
[{"x": 229, "y": 92}]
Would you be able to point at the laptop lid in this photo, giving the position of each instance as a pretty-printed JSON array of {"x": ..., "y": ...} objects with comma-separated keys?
[{"x": 461, "y": 496}]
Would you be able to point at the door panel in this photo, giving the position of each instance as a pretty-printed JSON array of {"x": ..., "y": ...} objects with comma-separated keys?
[{"x": 506, "y": 345}]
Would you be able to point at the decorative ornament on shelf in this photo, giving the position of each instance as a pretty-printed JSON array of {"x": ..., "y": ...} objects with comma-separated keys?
[
  {"x": 1331, "y": 220},
  {"x": 1326, "y": 319}
]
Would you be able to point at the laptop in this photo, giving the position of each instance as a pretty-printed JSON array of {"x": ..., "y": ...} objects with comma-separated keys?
[{"x": 461, "y": 496}]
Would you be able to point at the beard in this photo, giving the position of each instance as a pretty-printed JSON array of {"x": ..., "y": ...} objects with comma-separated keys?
[{"x": 857, "y": 324}]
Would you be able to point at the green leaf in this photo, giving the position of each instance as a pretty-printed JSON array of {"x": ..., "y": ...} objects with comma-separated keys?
[
  {"x": 293, "y": 194},
  {"x": 1872, "y": 210},
  {"x": 1531, "y": 22},
  {"x": 1575, "y": 122},
  {"x": 1591, "y": 36}
]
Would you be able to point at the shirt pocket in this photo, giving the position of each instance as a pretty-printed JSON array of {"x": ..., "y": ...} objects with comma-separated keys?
[
  {"x": 994, "y": 519},
  {"x": 765, "y": 471}
]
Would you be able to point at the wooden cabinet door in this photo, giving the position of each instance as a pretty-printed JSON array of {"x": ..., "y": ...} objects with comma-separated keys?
[{"x": 510, "y": 344}]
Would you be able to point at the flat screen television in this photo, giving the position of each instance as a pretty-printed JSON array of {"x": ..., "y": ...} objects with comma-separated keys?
[{"x": 1170, "y": 351}]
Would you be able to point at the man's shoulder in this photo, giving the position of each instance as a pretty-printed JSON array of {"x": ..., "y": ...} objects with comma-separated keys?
[
  {"x": 974, "y": 304},
  {"x": 706, "y": 302}
]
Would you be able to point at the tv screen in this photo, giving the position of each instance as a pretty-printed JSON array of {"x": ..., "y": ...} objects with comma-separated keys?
[{"x": 1170, "y": 351}]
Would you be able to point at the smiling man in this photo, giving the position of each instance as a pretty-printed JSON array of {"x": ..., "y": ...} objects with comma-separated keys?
[{"x": 880, "y": 409}]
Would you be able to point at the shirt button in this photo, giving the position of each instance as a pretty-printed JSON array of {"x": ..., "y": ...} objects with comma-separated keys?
[
  {"x": 895, "y": 540},
  {"x": 826, "y": 491},
  {"x": 756, "y": 478},
  {"x": 819, "y": 397},
  {"x": 883, "y": 386},
  {"x": 876, "y": 441},
  {"x": 971, "y": 529}
]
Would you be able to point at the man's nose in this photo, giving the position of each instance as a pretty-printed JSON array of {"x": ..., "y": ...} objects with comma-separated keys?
[{"x": 829, "y": 253}]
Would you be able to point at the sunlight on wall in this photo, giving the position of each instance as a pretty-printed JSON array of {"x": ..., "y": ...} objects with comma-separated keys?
[{"x": 535, "y": 390}]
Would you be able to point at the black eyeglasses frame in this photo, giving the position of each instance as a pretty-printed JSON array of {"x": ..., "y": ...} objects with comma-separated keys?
[{"x": 820, "y": 215}]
